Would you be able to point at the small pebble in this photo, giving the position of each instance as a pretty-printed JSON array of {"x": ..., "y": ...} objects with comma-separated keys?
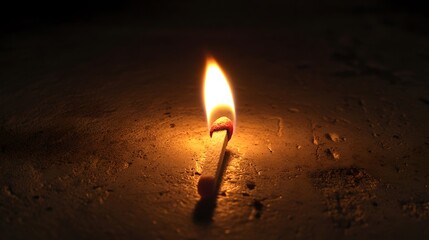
[
  {"x": 333, "y": 153},
  {"x": 315, "y": 141},
  {"x": 250, "y": 185},
  {"x": 258, "y": 205},
  {"x": 333, "y": 137}
]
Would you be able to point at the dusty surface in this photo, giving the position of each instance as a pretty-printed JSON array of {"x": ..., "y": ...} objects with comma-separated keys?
[
  {"x": 102, "y": 129},
  {"x": 348, "y": 193}
]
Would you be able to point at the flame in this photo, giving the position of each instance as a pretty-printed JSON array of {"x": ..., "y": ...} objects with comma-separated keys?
[{"x": 218, "y": 98}]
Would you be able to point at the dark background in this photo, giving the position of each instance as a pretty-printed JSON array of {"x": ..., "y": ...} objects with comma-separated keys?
[{"x": 21, "y": 16}]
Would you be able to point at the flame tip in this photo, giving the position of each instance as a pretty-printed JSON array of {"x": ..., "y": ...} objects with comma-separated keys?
[{"x": 218, "y": 96}]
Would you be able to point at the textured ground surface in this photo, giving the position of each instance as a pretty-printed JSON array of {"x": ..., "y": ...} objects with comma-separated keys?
[{"x": 102, "y": 129}]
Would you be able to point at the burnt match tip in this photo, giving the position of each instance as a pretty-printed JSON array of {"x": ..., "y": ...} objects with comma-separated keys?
[
  {"x": 222, "y": 123},
  {"x": 206, "y": 186}
]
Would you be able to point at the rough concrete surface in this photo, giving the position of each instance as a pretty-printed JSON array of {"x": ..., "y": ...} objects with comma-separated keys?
[{"x": 102, "y": 129}]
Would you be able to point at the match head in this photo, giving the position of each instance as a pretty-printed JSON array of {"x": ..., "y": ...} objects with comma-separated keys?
[
  {"x": 222, "y": 123},
  {"x": 206, "y": 186}
]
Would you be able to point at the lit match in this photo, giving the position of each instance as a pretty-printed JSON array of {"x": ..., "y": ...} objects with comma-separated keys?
[{"x": 220, "y": 113}]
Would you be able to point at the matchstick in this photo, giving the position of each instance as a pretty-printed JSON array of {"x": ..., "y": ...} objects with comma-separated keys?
[{"x": 209, "y": 182}]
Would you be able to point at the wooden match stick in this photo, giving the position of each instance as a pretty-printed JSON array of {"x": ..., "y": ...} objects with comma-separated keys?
[{"x": 209, "y": 182}]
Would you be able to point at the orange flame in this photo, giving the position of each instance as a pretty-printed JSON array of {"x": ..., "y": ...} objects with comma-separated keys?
[{"x": 218, "y": 98}]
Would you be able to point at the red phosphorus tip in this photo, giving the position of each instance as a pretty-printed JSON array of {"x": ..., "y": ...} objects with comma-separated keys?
[
  {"x": 206, "y": 187},
  {"x": 222, "y": 123}
]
